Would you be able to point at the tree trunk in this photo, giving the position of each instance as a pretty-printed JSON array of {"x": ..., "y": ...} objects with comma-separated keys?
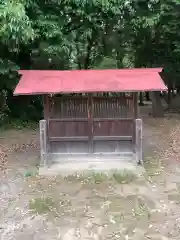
[
  {"x": 141, "y": 99},
  {"x": 147, "y": 96},
  {"x": 157, "y": 108},
  {"x": 87, "y": 59},
  {"x": 178, "y": 90},
  {"x": 169, "y": 96}
]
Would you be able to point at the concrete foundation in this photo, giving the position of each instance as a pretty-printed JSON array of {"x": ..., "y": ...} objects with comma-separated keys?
[{"x": 70, "y": 166}]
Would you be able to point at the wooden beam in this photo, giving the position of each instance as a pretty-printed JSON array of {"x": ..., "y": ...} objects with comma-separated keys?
[
  {"x": 68, "y": 139},
  {"x": 138, "y": 144},
  {"x": 65, "y": 97},
  {"x": 95, "y": 138},
  {"x": 112, "y": 138},
  {"x": 96, "y": 154},
  {"x": 43, "y": 141},
  {"x": 112, "y": 119},
  {"x": 68, "y": 120},
  {"x": 87, "y": 119}
]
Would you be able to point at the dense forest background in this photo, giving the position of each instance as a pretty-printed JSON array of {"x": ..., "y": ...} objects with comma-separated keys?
[{"x": 82, "y": 34}]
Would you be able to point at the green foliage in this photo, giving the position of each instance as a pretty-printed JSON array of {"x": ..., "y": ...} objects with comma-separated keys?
[
  {"x": 124, "y": 177},
  {"x": 15, "y": 24},
  {"x": 107, "y": 63}
]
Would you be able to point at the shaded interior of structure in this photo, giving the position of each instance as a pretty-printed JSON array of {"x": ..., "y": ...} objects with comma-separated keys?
[{"x": 94, "y": 124}]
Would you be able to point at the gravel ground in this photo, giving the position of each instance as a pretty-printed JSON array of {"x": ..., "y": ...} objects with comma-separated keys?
[{"x": 94, "y": 206}]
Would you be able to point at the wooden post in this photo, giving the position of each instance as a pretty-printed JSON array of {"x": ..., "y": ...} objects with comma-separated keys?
[
  {"x": 135, "y": 115},
  {"x": 43, "y": 141},
  {"x": 90, "y": 122},
  {"x": 136, "y": 106},
  {"x": 138, "y": 144}
]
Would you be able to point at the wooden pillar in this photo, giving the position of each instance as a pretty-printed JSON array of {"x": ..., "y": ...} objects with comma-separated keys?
[
  {"x": 48, "y": 112},
  {"x": 43, "y": 142},
  {"x": 138, "y": 143},
  {"x": 90, "y": 122},
  {"x": 136, "y": 105},
  {"x": 135, "y": 115}
]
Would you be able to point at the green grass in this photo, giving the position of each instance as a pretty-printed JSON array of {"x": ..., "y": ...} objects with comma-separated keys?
[
  {"x": 19, "y": 125},
  {"x": 91, "y": 177},
  {"x": 121, "y": 177},
  {"x": 124, "y": 177},
  {"x": 41, "y": 205},
  {"x": 99, "y": 177},
  {"x": 141, "y": 209}
]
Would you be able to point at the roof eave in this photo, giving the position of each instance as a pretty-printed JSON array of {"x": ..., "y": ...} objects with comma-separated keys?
[{"x": 47, "y": 93}]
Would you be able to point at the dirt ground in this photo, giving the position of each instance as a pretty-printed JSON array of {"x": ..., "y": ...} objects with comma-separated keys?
[{"x": 97, "y": 206}]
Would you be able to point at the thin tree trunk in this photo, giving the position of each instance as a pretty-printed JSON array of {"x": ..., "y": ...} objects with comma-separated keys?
[
  {"x": 141, "y": 99},
  {"x": 89, "y": 47},
  {"x": 157, "y": 108},
  {"x": 169, "y": 96},
  {"x": 147, "y": 96}
]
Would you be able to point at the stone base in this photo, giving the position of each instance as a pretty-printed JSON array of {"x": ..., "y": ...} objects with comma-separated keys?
[{"x": 83, "y": 165}]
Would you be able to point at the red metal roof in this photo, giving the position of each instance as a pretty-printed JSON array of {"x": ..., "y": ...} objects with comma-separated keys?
[{"x": 79, "y": 81}]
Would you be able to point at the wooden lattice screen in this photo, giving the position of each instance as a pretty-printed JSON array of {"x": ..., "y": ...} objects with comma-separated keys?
[
  {"x": 102, "y": 107},
  {"x": 70, "y": 108},
  {"x": 90, "y": 124},
  {"x": 112, "y": 107}
]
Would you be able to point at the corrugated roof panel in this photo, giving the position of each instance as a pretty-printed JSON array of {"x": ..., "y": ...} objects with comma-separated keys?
[{"x": 79, "y": 81}]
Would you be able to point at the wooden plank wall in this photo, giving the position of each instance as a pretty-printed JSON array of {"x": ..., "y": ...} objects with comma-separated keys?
[{"x": 86, "y": 123}]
